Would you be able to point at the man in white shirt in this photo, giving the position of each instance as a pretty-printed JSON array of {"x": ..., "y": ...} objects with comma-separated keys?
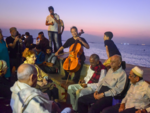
[
  {"x": 25, "y": 98},
  {"x": 95, "y": 74},
  {"x": 111, "y": 85},
  {"x": 52, "y": 22},
  {"x": 137, "y": 99}
]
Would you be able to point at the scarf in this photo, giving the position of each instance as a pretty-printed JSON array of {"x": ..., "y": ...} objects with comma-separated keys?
[{"x": 97, "y": 70}]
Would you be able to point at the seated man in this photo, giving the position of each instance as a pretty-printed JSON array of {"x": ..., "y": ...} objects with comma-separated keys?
[
  {"x": 137, "y": 98},
  {"x": 95, "y": 74},
  {"x": 40, "y": 56},
  {"x": 51, "y": 63},
  {"x": 42, "y": 41},
  {"x": 111, "y": 85},
  {"x": 25, "y": 98}
]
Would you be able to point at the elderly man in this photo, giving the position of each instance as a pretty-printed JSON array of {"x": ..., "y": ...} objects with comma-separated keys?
[
  {"x": 25, "y": 98},
  {"x": 95, "y": 74},
  {"x": 111, "y": 85},
  {"x": 137, "y": 98}
]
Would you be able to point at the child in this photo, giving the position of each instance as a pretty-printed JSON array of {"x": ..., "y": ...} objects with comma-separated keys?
[{"x": 111, "y": 48}]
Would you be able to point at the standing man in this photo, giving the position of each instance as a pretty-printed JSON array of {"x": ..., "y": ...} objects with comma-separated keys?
[
  {"x": 14, "y": 45},
  {"x": 52, "y": 22},
  {"x": 60, "y": 31}
]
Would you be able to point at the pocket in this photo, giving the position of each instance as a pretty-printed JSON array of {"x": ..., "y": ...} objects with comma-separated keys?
[{"x": 113, "y": 82}]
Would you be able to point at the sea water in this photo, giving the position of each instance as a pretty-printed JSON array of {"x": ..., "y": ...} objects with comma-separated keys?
[{"x": 133, "y": 54}]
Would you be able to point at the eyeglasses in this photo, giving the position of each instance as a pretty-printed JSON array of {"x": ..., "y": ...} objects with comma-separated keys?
[{"x": 131, "y": 76}]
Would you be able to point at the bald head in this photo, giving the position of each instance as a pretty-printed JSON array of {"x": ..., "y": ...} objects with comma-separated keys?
[
  {"x": 116, "y": 62},
  {"x": 25, "y": 71},
  {"x": 117, "y": 58}
]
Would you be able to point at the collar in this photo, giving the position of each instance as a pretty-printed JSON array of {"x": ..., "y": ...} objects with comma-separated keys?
[
  {"x": 22, "y": 85},
  {"x": 138, "y": 83},
  {"x": 118, "y": 71}
]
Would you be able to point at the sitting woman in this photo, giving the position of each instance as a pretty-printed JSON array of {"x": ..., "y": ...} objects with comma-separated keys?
[
  {"x": 4, "y": 83},
  {"x": 43, "y": 83}
]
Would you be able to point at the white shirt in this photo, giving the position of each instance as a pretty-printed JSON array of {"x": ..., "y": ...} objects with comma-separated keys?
[
  {"x": 89, "y": 75},
  {"x": 138, "y": 96},
  {"x": 115, "y": 81},
  {"x": 54, "y": 27}
]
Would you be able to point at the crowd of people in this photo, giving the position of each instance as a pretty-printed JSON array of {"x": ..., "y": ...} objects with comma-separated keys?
[{"x": 33, "y": 90}]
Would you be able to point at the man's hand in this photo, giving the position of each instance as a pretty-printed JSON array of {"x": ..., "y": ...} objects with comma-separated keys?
[
  {"x": 101, "y": 95},
  {"x": 45, "y": 82},
  {"x": 84, "y": 85},
  {"x": 56, "y": 54},
  {"x": 141, "y": 111},
  {"x": 52, "y": 23},
  {"x": 78, "y": 38},
  {"x": 81, "y": 81},
  {"x": 122, "y": 107},
  {"x": 20, "y": 40},
  {"x": 95, "y": 94},
  {"x": 16, "y": 38}
]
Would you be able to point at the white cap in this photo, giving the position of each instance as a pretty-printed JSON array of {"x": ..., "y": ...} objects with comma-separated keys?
[{"x": 137, "y": 71}]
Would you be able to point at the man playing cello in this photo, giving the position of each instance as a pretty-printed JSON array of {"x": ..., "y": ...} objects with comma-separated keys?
[{"x": 68, "y": 43}]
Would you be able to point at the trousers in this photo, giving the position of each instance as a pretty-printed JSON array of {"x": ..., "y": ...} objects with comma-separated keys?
[
  {"x": 115, "y": 109},
  {"x": 75, "y": 91},
  {"x": 85, "y": 101},
  {"x": 53, "y": 37}
]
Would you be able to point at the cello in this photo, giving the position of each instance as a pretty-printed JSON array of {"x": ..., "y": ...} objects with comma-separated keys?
[{"x": 73, "y": 62}]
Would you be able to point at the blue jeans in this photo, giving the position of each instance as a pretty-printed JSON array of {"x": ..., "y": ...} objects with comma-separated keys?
[{"x": 53, "y": 37}]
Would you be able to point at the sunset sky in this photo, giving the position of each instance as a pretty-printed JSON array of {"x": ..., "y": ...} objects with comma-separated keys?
[{"x": 125, "y": 18}]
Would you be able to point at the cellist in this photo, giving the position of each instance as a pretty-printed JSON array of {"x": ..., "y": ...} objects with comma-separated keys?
[{"x": 68, "y": 43}]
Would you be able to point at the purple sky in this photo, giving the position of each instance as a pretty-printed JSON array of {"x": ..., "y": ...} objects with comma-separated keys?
[{"x": 125, "y": 18}]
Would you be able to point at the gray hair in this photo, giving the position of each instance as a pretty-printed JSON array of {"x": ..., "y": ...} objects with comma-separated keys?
[
  {"x": 25, "y": 71},
  {"x": 12, "y": 28},
  {"x": 95, "y": 57}
]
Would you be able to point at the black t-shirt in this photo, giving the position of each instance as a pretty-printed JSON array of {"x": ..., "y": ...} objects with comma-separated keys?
[
  {"x": 71, "y": 41},
  {"x": 28, "y": 41},
  {"x": 112, "y": 48},
  {"x": 13, "y": 51}
]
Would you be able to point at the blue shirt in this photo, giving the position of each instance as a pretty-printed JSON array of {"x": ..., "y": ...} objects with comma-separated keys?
[{"x": 40, "y": 58}]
